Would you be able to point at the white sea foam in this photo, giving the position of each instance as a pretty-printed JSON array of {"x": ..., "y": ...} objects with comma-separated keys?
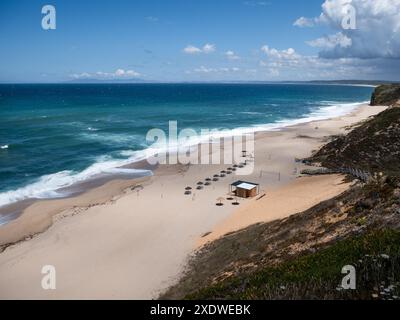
[
  {"x": 48, "y": 186},
  {"x": 251, "y": 112},
  {"x": 4, "y": 146},
  {"x": 111, "y": 138},
  {"x": 326, "y": 111}
]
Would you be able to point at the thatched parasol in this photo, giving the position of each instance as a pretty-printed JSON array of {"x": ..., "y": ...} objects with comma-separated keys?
[{"x": 220, "y": 199}]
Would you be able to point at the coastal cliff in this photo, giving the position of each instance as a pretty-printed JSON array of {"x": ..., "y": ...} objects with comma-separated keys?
[
  {"x": 373, "y": 146},
  {"x": 301, "y": 257},
  {"x": 388, "y": 95}
]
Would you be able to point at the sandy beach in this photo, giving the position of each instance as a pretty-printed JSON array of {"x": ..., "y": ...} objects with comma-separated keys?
[{"x": 130, "y": 239}]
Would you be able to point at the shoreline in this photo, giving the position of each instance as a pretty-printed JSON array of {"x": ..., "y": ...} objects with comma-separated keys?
[
  {"x": 86, "y": 193},
  {"x": 15, "y": 209},
  {"x": 151, "y": 231}
]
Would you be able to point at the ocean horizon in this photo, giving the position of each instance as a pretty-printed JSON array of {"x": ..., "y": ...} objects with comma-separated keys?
[{"x": 53, "y": 136}]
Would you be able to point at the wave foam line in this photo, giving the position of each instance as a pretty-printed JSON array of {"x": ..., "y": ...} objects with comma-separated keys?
[{"x": 48, "y": 186}]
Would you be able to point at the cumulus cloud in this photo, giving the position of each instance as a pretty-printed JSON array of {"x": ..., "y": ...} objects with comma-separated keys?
[
  {"x": 192, "y": 50},
  {"x": 291, "y": 65},
  {"x": 83, "y": 75},
  {"x": 304, "y": 22},
  {"x": 276, "y": 59},
  {"x": 376, "y": 33},
  {"x": 117, "y": 74},
  {"x": 289, "y": 54},
  {"x": 331, "y": 41},
  {"x": 231, "y": 55},
  {"x": 207, "y": 48}
]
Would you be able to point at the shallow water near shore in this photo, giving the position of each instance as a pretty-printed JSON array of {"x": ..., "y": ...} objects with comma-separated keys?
[{"x": 57, "y": 136}]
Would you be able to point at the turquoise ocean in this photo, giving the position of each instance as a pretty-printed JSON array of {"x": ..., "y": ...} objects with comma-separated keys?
[{"x": 53, "y": 136}]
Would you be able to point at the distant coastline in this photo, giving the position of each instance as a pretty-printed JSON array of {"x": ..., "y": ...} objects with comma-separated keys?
[{"x": 145, "y": 81}]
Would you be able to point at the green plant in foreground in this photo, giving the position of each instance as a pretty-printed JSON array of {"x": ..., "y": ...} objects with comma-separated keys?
[{"x": 375, "y": 256}]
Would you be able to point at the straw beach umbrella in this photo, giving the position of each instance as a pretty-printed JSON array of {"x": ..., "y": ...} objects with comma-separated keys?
[
  {"x": 220, "y": 199},
  {"x": 236, "y": 202}
]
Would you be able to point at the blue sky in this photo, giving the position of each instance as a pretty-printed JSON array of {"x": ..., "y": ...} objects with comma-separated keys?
[{"x": 180, "y": 40}]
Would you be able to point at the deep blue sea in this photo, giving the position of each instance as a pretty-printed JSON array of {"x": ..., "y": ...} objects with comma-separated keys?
[{"x": 52, "y": 136}]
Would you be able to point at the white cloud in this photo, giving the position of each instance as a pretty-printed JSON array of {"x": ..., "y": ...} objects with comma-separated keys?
[
  {"x": 83, "y": 75},
  {"x": 204, "y": 69},
  {"x": 192, "y": 50},
  {"x": 231, "y": 55},
  {"x": 289, "y": 54},
  {"x": 377, "y": 33},
  {"x": 288, "y": 64},
  {"x": 117, "y": 74},
  {"x": 331, "y": 41},
  {"x": 304, "y": 22},
  {"x": 207, "y": 48}
]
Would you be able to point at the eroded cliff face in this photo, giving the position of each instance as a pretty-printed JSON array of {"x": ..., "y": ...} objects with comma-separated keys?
[
  {"x": 386, "y": 95},
  {"x": 373, "y": 146}
]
